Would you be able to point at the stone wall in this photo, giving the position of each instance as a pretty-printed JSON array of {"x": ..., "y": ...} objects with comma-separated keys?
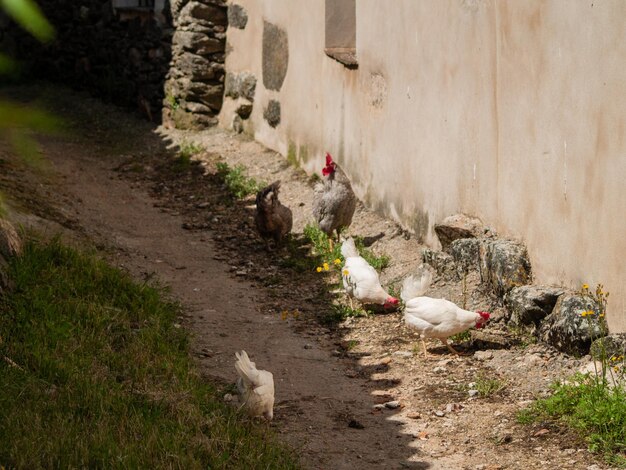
[
  {"x": 195, "y": 83},
  {"x": 122, "y": 61},
  {"x": 166, "y": 63}
]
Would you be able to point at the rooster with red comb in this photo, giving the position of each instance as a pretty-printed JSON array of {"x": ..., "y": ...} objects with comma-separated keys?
[{"x": 335, "y": 202}]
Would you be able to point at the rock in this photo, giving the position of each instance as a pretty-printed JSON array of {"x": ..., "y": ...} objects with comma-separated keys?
[
  {"x": 198, "y": 108},
  {"x": 272, "y": 113},
  {"x": 403, "y": 353},
  {"x": 439, "y": 413},
  {"x": 442, "y": 262},
  {"x": 392, "y": 405},
  {"x": 228, "y": 397},
  {"x": 10, "y": 241},
  {"x": 198, "y": 11},
  {"x": 195, "y": 67},
  {"x": 466, "y": 253},
  {"x": 244, "y": 108},
  {"x": 472, "y": 393},
  {"x": 504, "y": 265},
  {"x": 379, "y": 406},
  {"x": 197, "y": 43},
  {"x": 241, "y": 84},
  {"x": 613, "y": 345},
  {"x": 275, "y": 56},
  {"x": 237, "y": 124},
  {"x": 483, "y": 355},
  {"x": 458, "y": 226},
  {"x": 531, "y": 304},
  {"x": 567, "y": 330},
  {"x": 182, "y": 119},
  {"x": 237, "y": 16},
  {"x": 439, "y": 370}
]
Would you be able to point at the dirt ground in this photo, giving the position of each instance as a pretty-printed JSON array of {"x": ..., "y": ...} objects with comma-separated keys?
[{"x": 113, "y": 179}]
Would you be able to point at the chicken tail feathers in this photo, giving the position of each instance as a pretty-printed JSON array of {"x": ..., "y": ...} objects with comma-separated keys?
[
  {"x": 414, "y": 286},
  {"x": 245, "y": 368},
  {"x": 348, "y": 248},
  {"x": 266, "y": 196}
]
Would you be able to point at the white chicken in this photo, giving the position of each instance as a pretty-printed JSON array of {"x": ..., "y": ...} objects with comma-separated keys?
[
  {"x": 435, "y": 318},
  {"x": 360, "y": 280},
  {"x": 256, "y": 387}
]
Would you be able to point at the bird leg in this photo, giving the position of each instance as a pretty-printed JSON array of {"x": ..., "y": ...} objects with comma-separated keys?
[
  {"x": 449, "y": 346},
  {"x": 350, "y": 302},
  {"x": 426, "y": 355}
]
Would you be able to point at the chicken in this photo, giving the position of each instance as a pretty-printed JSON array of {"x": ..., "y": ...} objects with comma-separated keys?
[
  {"x": 435, "y": 318},
  {"x": 360, "y": 280},
  {"x": 273, "y": 219},
  {"x": 335, "y": 202},
  {"x": 256, "y": 387}
]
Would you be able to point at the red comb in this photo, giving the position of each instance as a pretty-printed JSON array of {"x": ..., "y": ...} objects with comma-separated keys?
[{"x": 329, "y": 159}]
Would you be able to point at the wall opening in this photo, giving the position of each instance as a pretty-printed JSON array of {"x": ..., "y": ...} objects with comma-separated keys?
[{"x": 340, "y": 39}]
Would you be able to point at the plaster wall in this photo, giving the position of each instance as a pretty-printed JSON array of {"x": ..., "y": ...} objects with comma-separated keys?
[{"x": 510, "y": 111}]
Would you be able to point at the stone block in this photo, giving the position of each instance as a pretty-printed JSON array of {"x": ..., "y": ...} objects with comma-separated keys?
[
  {"x": 567, "y": 330},
  {"x": 458, "y": 226},
  {"x": 530, "y": 304}
]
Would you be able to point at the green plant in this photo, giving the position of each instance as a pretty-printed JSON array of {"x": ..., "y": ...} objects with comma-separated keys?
[
  {"x": 596, "y": 412},
  {"x": 339, "y": 313},
  {"x": 96, "y": 372},
  {"x": 189, "y": 149},
  {"x": 173, "y": 102},
  {"x": 238, "y": 184},
  {"x": 488, "y": 386},
  {"x": 377, "y": 262},
  {"x": 462, "y": 336}
]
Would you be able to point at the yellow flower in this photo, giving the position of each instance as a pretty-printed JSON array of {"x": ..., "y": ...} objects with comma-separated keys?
[
  {"x": 601, "y": 315},
  {"x": 326, "y": 267},
  {"x": 585, "y": 286},
  {"x": 345, "y": 272},
  {"x": 616, "y": 368},
  {"x": 337, "y": 261},
  {"x": 296, "y": 313},
  {"x": 319, "y": 269},
  {"x": 284, "y": 314}
]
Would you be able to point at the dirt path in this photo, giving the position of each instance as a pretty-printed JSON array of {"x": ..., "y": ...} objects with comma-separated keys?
[{"x": 111, "y": 182}]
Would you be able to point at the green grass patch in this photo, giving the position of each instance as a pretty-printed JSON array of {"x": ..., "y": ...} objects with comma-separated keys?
[
  {"x": 104, "y": 378},
  {"x": 596, "y": 412},
  {"x": 339, "y": 313},
  {"x": 488, "y": 386},
  {"x": 461, "y": 337},
  {"x": 185, "y": 153},
  {"x": 321, "y": 248},
  {"x": 235, "y": 179}
]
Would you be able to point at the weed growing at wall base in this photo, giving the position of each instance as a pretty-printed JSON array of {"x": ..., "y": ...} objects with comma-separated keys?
[{"x": 96, "y": 373}]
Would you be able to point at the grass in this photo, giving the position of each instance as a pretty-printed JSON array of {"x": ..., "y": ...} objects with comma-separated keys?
[
  {"x": 461, "y": 337},
  {"x": 235, "y": 179},
  {"x": 596, "y": 412},
  {"x": 104, "y": 378},
  {"x": 321, "y": 248},
  {"x": 185, "y": 153},
  {"x": 488, "y": 386},
  {"x": 339, "y": 313}
]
